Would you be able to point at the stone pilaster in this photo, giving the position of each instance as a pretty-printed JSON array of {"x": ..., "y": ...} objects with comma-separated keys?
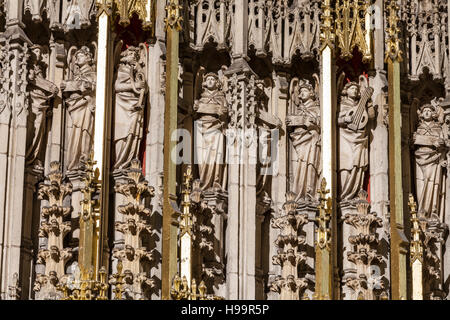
[
  {"x": 242, "y": 148},
  {"x": 279, "y": 177},
  {"x": 17, "y": 100},
  {"x": 154, "y": 159}
]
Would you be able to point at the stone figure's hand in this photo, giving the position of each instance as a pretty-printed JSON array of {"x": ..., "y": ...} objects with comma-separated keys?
[
  {"x": 440, "y": 143},
  {"x": 347, "y": 119},
  {"x": 278, "y": 122},
  {"x": 196, "y": 105},
  {"x": 87, "y": 86},
  {"x": 31, "y": 75},
  {"x": 140, "y": 85},
  {"x": 223, "y": 110},
  {"x": 288, "y": 120},
  {"x": 63, "y": 85},
  {"x": 55, "y": 90}
]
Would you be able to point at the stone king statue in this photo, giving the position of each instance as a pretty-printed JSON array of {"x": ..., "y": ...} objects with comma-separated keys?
[
  {"x": 131, "y": 90},
  {"x": 211, "y": 113},
  {"x": 79, "y": 93},
  {"x": 304, "y": 120},
  {"x": 355, "y": 111}
]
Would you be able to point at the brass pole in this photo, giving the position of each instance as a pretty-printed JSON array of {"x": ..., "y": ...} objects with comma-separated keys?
[
  {"x": 323, "y": 263},
  {"x": 399, "y": 242},
  {"x": 170, "y": 228}
]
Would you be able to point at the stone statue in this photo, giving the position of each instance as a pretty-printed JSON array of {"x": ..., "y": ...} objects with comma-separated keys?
[
  {"x": 355, "y": 111},
  {"x": 430, "y": 155},
  {"x": 41, "y": 91},
  {"x": 211, "y": 113},
  {"x": 266, "y": 124},
  {"x": 79, "y": 92},
  {"x": 130, "y": 92},
  {"x": 304, "y": 121}
]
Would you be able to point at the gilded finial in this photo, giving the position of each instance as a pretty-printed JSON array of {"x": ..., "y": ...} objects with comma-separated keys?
[
  {"x": 173, "y": 19},
  {"x": 416, "y": 246},
  {"x": 393, "y": 51}
]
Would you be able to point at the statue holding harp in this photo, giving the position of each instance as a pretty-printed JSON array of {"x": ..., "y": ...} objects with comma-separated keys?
[{"x": 355, "y": 111}]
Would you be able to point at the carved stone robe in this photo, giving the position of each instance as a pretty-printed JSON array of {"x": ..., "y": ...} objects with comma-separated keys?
[
  {"x": 305, "y": 139},
  {"x": 430, "y": 162},
  {"x": 353, "y": 153},
  {"x": 81, "y": 106},
  {"x": 210, "y": 140},
  {"x": 129, "y": 119},
  {"x": 41, "y": 91}
]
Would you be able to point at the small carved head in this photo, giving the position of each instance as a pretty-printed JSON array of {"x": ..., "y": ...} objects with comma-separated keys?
[
  {"x": 83, "y": 57},
  {"x": 37, "y": 52},
  {"x": 130, "y": 55},
  {"x": 352, "y": 90},
  {"x": 305, "y": 91},
  {"x": 427, "y": 112},
  {"x": 211, "y": 82}
]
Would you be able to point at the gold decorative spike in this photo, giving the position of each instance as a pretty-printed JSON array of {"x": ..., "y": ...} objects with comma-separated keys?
[
  {"x": 173, "y": 19},
  {"x": 142, "y": 8},
  {"x": 186, "y": 216},
  {"x": 84, "y": 287},
  {"x": 351, "y": 28},
  {"x": 202, "y": 291},
  {"x": 393, "y": 51},
  {"x": 323, "y": 232},
  {"x": 327, "y": 36},
  {"x": 182, "y": 291},
  {"x": 90, "y": 213},
  {"x": 117, "y": 280},
  {"x": 416, "y": 247},
  {"x": 324, "y": 268},
  {"x": 102, "y": 285}
]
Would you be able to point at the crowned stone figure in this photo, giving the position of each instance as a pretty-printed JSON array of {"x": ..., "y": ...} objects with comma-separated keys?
[
  {"x": 211, "y": 118},
  {"x": 355, "y": 111},
  {"x": 79, "y": 93},
  {"x": 304, "y": 120}
]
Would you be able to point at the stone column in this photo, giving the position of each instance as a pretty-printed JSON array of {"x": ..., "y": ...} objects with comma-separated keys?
[
  {"x": 15, "y": 179},
  {"x": 31, "y": 222},
  {"x": 242, "y": 148},
  {"x": 155, "y": 140},
  {"x": 55, "y": 151},
  {"x": 280, "y": 174},
  {"x": 5, "y": 121},
  {"x": 378, "y": 148}
]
